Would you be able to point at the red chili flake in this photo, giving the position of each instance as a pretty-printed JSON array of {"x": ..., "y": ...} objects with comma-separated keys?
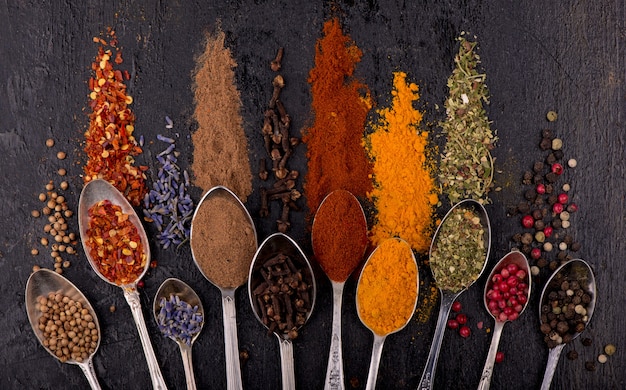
[
  {"x": 114, "y": 243},
  {"x": 110, "y": 144}
]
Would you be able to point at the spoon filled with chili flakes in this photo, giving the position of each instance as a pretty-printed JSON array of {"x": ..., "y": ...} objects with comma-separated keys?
[{"x": 117, "y": 248}]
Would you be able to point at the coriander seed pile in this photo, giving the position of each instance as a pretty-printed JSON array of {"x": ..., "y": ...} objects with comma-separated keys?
[{"x": 69, "y": 328}]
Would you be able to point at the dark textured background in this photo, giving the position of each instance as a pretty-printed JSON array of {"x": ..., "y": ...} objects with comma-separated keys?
[{"x": 562, "y": 55}]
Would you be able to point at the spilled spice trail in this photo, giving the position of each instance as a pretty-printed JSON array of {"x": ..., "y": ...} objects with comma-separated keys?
[
  {"x": 336, "y": 158},
  {"x": 220, "y": 146},
  {"x": 109, "y": 142},
  {"x": 404, "y": 193}
]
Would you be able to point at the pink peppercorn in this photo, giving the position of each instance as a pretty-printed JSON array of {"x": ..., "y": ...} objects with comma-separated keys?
[{"x": 557, "y": 168}]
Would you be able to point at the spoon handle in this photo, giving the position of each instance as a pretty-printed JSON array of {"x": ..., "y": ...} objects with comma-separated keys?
[
  {"x": 132, "y": 297},
  {"x": 377, "y": 350},
  {"x": 90, "y": 374},
  {"x": 553, "y": 360},
  {"x": 286, "y": 364},
  {"x": 334, "y": 371},
  {"x": 231, "y": 344},
  {"x": 485, "y": 379},
  {"x": 427, "y": 381},
  {"x": 185, "y": 353}
]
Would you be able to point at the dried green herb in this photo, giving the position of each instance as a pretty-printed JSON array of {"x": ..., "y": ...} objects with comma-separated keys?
[
  {"x": 458, "y": 254},
  {"x": 466, "y": 170}
]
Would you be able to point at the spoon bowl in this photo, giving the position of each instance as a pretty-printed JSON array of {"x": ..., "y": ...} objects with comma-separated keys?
[
  {"x": 176, "y": 287},
  {"x": 580, "y": 271},
  {"x": 273, "y": 246},
  {"x": 379, "y": 338},
  {"x": 43, "y": 282},
  {"x": 93, "y": 192},
  {"x": 447, "y": 296},
  {"x": 334, "y": 371},
  {"x": 513, "y": 257},
  {"x": 223, "y": 194}
]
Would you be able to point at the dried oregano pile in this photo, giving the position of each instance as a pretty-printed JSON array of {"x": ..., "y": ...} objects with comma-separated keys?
[{"x": 466, "y": 169}]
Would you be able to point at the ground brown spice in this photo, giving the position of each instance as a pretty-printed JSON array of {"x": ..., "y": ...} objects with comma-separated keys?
[
  {"x": 223, "y": 240},
  {"x": 220, "y": 144}
]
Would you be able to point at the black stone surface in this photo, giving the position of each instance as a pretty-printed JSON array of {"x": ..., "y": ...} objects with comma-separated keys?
[{"x": 567, "y": 56}]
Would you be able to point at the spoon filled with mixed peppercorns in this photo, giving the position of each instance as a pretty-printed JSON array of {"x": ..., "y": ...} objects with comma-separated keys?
[
  {"x": 63, "y": 320},
  {"x": 567, "y": 303},
  {"x": 118, "y": 250}
]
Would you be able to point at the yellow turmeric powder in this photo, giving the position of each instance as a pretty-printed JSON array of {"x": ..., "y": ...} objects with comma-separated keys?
[
  {"x": 404, "y": 194},
  {"x": 387, "y": 290}
]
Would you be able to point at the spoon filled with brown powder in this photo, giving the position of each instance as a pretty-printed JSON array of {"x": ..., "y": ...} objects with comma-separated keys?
[{"x": 223, "y": 243}]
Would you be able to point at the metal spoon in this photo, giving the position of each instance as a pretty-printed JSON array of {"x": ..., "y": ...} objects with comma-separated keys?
[
  {"x": 274, "y": 244},
  {"x": 379, "y": 339},
  {"x": 334, "y": 371},
  {"x": 520, "y": 260},
  {"x": 185, "y": 293},
  {"x": 93, "y": 192},
  {"x": 229, "y": 312},
  {"x": 41, "y": 283},
  {"x": 448, "y": 297},
  {"x": 582, "y": 272}
]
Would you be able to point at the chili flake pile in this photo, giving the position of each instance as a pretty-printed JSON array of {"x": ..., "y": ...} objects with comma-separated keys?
[
  {"x": 109, "y": 141},
  {"x": 466, "y": 169},
  {"x": 114, "y": 243}
]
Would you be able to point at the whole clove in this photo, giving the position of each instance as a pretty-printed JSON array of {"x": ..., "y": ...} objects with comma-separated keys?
[{"x": 281, "y": 288}]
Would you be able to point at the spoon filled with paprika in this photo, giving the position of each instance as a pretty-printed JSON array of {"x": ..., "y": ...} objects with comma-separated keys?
[
  {"x": 282, "y": 290},
  {"x": 457, "y": 257},
  {"x": 386, "y": 295},
  {"x": 47, "y": 292},
  {"x": 506, "y": 297},
  {"x": 179, "y": 314},
  {"x": 339, "y": 240},
  {"x": 223, "y": 242},
  {"x": 569, "y": 297},
  {"x": 118, "y": 250}
]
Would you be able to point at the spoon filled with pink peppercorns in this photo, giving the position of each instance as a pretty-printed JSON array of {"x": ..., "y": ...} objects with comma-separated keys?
[{"x": 506, "y": 297}]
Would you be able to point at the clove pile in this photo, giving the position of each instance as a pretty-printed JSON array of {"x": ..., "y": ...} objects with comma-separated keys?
[
  {"x": 279, "y": 148},
  {"x": 281, "y": 293}
]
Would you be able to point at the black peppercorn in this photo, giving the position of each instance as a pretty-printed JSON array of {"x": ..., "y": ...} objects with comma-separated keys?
[
  {"x": 553, "y": 265},
  {"x": 551, "y": 177},
  {"x": 538, "y": 167},
  {"x": 562, "y": 327},
  {"x": 551, "y": 159},
  {"x": 568, "y": 239},
  {"x": 517, "y": 237},
  {"x": 537, "y": 214},
  {"x": 526, "y": 179},
  {"x": 526, "y": 249},
  {"x": 547, "y": 133},
  {"x": 561, "y": 255},
  {"x": 523, "y": 207},
  {"x": 556, "y": 223},
  {"x": 545, "y": 144},
  {"x": 549, "y": 188},
  {"x": 527, "y": 239},
  {"x": 575, "y": 247},
  {"x": 572, "y": 355},
  {"x": 539, "y": 224},
  {"x": 552, "y": 199},
  {"x": 590, "y": 366},
  {"x": 545, "y": 328},
  {"x": 542, "y": 262},
  {"x": 558, "y": 154},
  {"x": 587, "y": 341},
  {"x": 530, "y": 195},
  {"x": 537, "y": 179}
]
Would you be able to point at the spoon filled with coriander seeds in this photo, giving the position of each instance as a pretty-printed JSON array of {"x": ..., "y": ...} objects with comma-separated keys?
[
  {"x": 179, "y": 314},
  {"x": 458, "y": 256},
  {"x": 50, "y": 295}
]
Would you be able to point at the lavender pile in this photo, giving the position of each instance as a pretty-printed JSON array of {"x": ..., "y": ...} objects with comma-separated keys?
[
  {"x": 546, "y": 209},
  {"x": 167, "y": 204},
  {"x": 179, "y": 320}
]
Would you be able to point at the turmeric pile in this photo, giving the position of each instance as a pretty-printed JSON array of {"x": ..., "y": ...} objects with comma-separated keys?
[
  {"x": 404, "y": 193},
  {"x": 387, "y": 290}
]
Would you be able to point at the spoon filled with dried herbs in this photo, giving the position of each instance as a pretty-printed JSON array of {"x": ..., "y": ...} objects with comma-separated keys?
[
  {"x": 567, "y": 303},
  {"x": 458, "y": 256},
  {"x": 179, "y": 314},
  {"x": 339, "y": 240},
  {"x": 49, "y": 297},
  {"x": 282, "y": 290},
  {"x": 506, "y": 297},
  {"x": 223, "y": 242},
  {"x": 118, "y": 250}
]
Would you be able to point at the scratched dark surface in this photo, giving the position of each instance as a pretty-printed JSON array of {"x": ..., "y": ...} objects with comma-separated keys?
[{"x": 566, "y": 55}]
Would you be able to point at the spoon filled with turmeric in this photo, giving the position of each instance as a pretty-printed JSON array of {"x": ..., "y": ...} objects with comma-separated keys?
[
  {"x": 339, "y": 240},
  {"x": 386, "y": 295}
]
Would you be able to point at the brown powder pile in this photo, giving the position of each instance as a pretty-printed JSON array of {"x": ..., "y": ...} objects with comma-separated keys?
[
  {"x": 222, "y": 240},
  {"x": 220, "y": 144}
]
